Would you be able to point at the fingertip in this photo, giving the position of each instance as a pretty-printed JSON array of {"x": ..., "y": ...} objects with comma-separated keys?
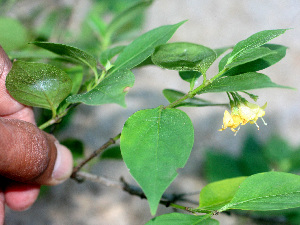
[{"x": 63, "y": 165}]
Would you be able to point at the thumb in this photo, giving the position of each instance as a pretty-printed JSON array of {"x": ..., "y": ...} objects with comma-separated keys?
[{"x": 30, "y": 155}]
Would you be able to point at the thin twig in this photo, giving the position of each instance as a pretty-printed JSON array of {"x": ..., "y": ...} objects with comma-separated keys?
[
  {"x": 80, "y": 175},
  {"x": 94, "y": 154},
  {"x": 168, "y": 199}
]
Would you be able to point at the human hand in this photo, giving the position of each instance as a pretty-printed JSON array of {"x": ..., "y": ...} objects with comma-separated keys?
[{"x": 29, "y": 157}]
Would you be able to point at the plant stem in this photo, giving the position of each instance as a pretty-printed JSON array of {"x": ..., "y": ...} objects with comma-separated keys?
[
  {"x": 192, "y": 93},
  {"x": 56, "y": 118},
  {"x": 94, "y": 154}
]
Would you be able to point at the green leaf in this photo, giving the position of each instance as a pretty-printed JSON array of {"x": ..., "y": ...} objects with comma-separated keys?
[
  {"x": 252, "y": 160},
  {"x": 220, "y": 51},
  {"x": 267, "y": 191},
  {"x": 258, "y": 64},
  {"x": 112, "y": 153},
  {"x": 254, "y": 41},
  {"x": 69, "y": 52},
  {"x": 76, "y": 75},
  {"x": 142, "y": 47},
  {"x": 76, "y": 146},
  {"x": 295, "y": 160},
  {"x": 13, "y": 34},
  {"x": 108, "y": 54},
  {"x": 279, "y": 154},
  {"x": 184, "y": 56},
  {"x": 190, "y": 76},
  {"x": 37, "y": 84},
  {"x": 220, "y": 166},
  {"x": 97, "y": 24},
  {"x": 172, "y": 96},
  {"x": 246, "y": 81},
  {"x": 154, "y": 144},
  {"x": 111, "y": 90},
  {"x": 249, "y": 56},
  {"x": 182, "y": 219},
  {"x": 126, "y": 16},
  {"x": 218, "y": 194}
]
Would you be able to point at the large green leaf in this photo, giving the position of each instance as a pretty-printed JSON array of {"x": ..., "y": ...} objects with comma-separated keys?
[
  {"x": 254, "y": 41},
  {"x": 172, "y": 96},
  {"x": 38, "y": 84},
  {"x": 218, "y": 194},
  {"x": 246, "y": 81},
  {"x": 267, "y": 191},
  {"x": 258, "y": 64},
  {"x": 13, "y": 34},
  {"x": 142, "y": 47},
  {"x": 184, "y": 56},
  {"x": 154, "y": 144},
  {"x": 69, "y": 51},
  {"x": 111, "y": 90},
  {"x": 182, "y": 219}
]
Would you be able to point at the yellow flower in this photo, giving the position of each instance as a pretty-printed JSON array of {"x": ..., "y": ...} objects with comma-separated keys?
[{"x": 241, "y": 115}]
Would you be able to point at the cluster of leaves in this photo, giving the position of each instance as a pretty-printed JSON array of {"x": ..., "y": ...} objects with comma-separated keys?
[
  {"x": 276, "y": 154},
  {"x": 156, "y": 142}
]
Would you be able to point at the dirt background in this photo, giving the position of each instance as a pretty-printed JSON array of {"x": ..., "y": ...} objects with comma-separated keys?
[{"x": 213, "y": 23}]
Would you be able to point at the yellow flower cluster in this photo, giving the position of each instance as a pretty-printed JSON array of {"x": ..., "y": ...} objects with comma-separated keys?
[{"x": 241, "y": 115}]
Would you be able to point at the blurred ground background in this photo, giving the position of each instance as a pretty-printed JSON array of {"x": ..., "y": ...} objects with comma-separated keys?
[{"x": 213, "y": 23}]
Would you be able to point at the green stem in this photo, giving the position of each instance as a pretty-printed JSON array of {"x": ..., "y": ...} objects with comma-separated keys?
[
  {"x": 56, "y": 118},
  {"x": 179, "y": 207},
  {"x": 192, "y": 93}
]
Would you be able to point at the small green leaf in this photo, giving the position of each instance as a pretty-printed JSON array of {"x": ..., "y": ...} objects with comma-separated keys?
[
  {"x": 126, "y": 16},
  {"x": 246, "y": 81},
  {"x": 220, "y": 51},
  {"x": 267, "y": 191},
  {"x": 190, "y": 76},
  {"x": 76, "y": 75},
  {"x": 112, "y": 153},
  {"x": 112, "y": 89},
  {"x": 142, "y": 47},
  {"x": 252, "y": 160},
  {"x": 279, "y": 154},
  {"x": 154, "y": 144},
  {"x": 218, "y": 194},
  {"x": 254, "y": 41},
  {"x": 69, "y": 52},
  {"x": 182, "y": 219},
  {"x": 108, "y": 54},
  {"x": 184, "y": 56},
  {"x": 97, "y": 24},
  {"x": 223, "y": 61},
  {"x": 76, "y": 146},
  {"x": 37, "y": 84},
  {"x": 13, "y": 34},
  {"x": 220, "y": 166},
  {"x": 172, "y": 96}
]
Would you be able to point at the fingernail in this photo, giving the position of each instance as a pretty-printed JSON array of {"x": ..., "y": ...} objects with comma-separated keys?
[{"x": 63, "y": 165}]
